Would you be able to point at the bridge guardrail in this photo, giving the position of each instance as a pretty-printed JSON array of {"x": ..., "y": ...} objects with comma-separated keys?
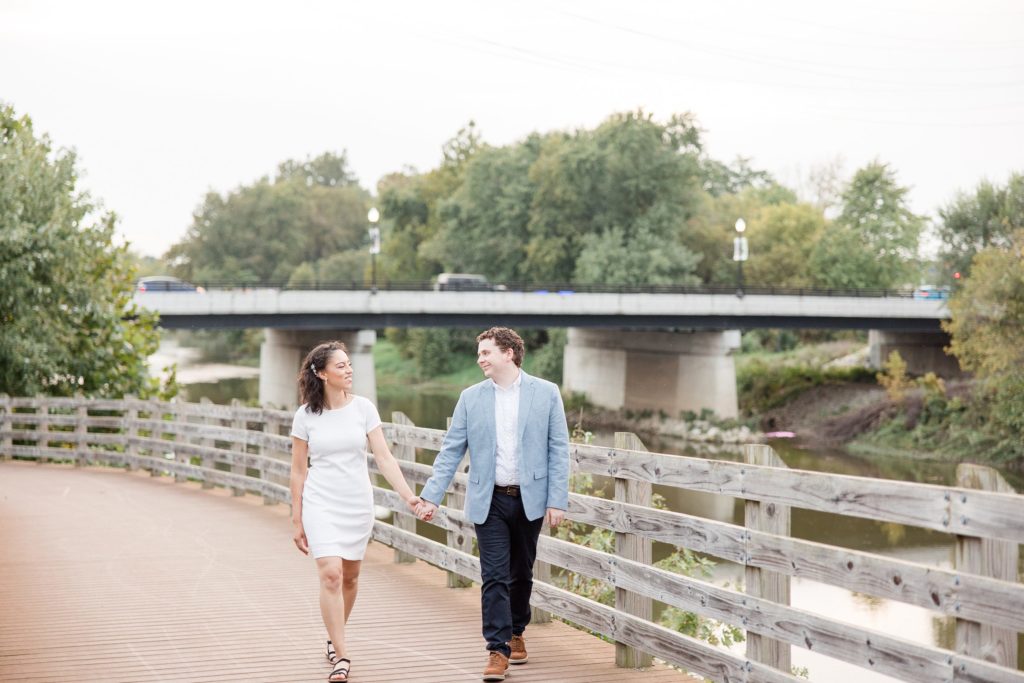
[
  {"x": 247, "y": 450},
  {"x": 567, "y": 288}
]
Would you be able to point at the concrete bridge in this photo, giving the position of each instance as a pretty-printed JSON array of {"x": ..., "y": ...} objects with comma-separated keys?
[
  {"x": 150, "y": 540},
  {"x": 661, "y": 350}
]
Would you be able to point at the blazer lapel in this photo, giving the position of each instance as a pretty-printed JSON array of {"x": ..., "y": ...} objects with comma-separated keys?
[
  {"x": 485, "y": 410},
  {"x": 525, "y": 402}
]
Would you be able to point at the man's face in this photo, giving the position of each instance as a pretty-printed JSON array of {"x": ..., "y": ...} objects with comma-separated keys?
[{"x": 492, "y": 360}]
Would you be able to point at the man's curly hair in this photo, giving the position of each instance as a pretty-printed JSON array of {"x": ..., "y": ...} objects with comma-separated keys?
[{"x": 505, "y": 339}]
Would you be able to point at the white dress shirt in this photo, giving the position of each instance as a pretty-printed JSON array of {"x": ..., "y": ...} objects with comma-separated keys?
[{"x": 506, "y": 423}]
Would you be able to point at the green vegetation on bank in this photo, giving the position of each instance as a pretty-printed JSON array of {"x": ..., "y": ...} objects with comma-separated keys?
[
  {"x": 767, "y": 379},
  {"x": 983, "y": 418}
]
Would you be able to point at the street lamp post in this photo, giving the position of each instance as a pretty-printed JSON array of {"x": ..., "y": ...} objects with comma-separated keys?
[
  {"x": 740, "y": 254},
  {"x": 373, "y": 215}
]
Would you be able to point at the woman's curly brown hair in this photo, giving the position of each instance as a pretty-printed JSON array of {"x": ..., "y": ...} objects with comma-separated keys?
[{"x": 311, "y": 387}]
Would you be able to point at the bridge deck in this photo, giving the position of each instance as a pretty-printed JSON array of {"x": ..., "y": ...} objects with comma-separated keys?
[{"x": 111, "y": 576}]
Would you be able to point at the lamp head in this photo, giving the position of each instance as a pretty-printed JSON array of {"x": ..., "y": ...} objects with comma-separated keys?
[
  {"x": 373, "y": 215},
  {"x": 741, "y": 225}
]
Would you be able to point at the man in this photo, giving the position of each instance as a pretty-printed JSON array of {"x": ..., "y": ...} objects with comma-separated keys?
[{"x": 514, "y": 427}]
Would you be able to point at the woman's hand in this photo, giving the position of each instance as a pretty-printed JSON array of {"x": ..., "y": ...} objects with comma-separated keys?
[
  {"x": 413, "y": 502},
  {"x": 300, "y": 539}
]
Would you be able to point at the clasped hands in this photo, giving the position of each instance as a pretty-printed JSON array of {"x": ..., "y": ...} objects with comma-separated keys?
[{"x": 425, "y": 511}]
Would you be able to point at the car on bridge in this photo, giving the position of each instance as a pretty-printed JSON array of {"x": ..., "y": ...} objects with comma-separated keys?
[
  {"x": 465, "y": 282},
  {"x": 931, "y": 292},
  {"x": 165, "y": 283}
]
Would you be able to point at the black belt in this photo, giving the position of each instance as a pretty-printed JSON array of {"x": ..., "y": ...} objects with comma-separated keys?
[{"x": 511, "y": 490}]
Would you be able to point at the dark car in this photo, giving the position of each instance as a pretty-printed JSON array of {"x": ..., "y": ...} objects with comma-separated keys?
[
  {"x": 165, "y": 283},
  {"x": 465, "y": 282}
]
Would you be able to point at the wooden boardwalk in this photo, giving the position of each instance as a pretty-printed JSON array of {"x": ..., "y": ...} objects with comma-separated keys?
[{"x": 115, "y": 576}]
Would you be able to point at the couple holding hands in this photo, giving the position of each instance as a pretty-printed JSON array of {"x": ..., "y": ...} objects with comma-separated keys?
[{"x": 513, "y": 426}]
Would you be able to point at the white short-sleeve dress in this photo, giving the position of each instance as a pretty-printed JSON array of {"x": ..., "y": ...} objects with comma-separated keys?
[{"x": 337, "y": 499}]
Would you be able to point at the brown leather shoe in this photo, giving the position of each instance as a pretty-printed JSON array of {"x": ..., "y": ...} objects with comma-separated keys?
[
  {"x": 497, "y": 664},
  {"x": 518, "y": 655}
]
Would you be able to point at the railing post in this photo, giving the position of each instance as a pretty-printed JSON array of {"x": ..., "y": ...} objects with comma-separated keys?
[
  {"x": 267, "y": 428},
  {"x": 457, "y": 539},
  {"x": 632, "y": 547},
  {"x": 6, "y": 426},
  {"x": 238, "y": 424},
  {"x": 206, "y": 442},
  {"x": 81, "y": 431},
  {"x": 985, "y": 557},
  {"x": 42, "y": 428},
  {"x": 542, "y": 573},
  {"x": 179, "y": 457},
  {"x": 404, "y": 453},
  {"x": 156, "y": 453},
  {"x": 773, "y": 519},
  {"x": 130, "y": 429}
]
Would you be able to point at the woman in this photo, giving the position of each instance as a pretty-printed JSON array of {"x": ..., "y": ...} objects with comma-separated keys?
[{"x": 332, "y": 500}]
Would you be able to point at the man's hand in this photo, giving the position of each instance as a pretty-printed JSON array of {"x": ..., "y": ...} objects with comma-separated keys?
[
  {"x": 414, "y": 505},
  {"x": 426, "y": 510},
  {"x": 555, "y": 516}
]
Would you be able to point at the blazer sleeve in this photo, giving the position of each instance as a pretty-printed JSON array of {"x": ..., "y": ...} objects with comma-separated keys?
[
  {"x": 453, "y": 448},
  {"x": 558, "y": 454}
]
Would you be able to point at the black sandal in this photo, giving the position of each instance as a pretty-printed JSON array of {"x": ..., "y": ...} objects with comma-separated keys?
[
  {"x": 340, "y": 670},
  {"x": 332, "y": 655}
]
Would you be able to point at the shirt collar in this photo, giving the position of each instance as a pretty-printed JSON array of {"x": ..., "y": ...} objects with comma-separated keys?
[{"x": 515, "y": 385}]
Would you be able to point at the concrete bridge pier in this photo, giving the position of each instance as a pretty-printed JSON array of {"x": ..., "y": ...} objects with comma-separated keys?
[
  {"x": 922, "y": 351},
  {"x": 670, "y": 371},
  {"x": 283, "y": 350}
]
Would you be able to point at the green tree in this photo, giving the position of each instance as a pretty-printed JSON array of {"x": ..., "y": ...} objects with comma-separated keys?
[
  {"x": 410, "y": 205},
  {"x": 873, "y": 242},
  {"x": 974, "y": 222},
  {"x": 986, "y": 325},
  {"x": 484, "y": 222},
  {"x": 67, "y": 320},
  {"x": 782, "y": 238},
  {"x": 631, "y": 181},
  {"x": 262, "y": 232}
]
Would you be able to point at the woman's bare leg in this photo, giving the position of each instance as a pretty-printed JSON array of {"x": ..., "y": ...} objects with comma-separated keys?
[
  {"x": 332, "y": 600},
  {"x": 350, "y": 583}
]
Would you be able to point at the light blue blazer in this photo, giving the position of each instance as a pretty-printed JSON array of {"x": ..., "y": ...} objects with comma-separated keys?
[{"x": 543, "y": 449}]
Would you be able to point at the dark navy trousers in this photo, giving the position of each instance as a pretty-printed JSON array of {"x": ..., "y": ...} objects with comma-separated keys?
[{"x": 507, "y": 542}]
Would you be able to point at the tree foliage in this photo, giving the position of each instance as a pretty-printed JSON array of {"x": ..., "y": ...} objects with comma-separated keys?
[
  {"x": 783, "y": 236},
  {"x": 258, "y": 233},
  {"x": 67, "y": 321},
  {"x": 986, "y": 325},
  {"x": 974, "y": 222},
  {"x": 873, "y": 242}
]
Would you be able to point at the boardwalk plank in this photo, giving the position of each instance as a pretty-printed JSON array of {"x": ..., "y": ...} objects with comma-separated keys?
[{"x": 117, "y": 576}]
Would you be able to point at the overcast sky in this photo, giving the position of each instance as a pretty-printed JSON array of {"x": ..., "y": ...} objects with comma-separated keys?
[{"x": 165, "y": 101}]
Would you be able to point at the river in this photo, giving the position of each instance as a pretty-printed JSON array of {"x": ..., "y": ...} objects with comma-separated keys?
[{"x": 904, "y": 542}]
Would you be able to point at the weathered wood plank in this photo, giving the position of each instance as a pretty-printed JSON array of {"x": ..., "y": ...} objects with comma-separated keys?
[
  {"x": 983, "y": 599},
  {"x": 674, "y": 647},
  {"x": 762, "y": 583},
  {"x": 985, "y": 557},
  {"x": 942, "y": 508},
  {"x": 632, "y": 547},
  {"x": 403, "y": 453},
  {"x": 863, "y": 647},
  {"x": 5, "y": 426},
  {"x": 457, "y": 538}
]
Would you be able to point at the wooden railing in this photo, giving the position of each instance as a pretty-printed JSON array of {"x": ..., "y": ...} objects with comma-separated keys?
[{"x": 247, "y": 450}]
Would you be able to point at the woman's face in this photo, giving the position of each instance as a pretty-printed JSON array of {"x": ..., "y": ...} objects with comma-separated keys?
[{"x": 337, "y": 373}]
